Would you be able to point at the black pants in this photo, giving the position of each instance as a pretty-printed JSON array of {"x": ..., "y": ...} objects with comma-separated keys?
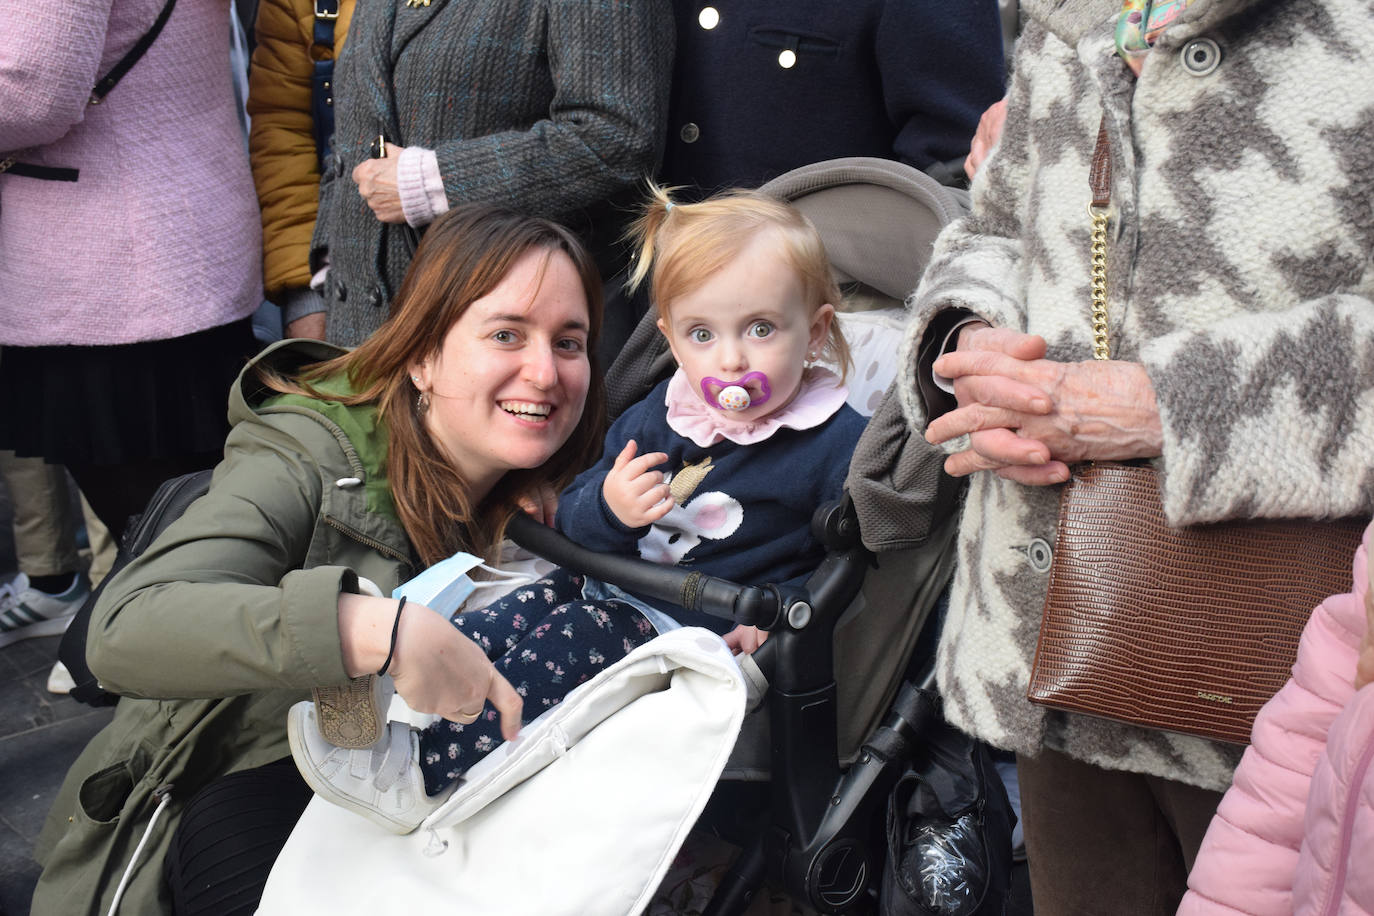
[{"x": 229, "y": 835}]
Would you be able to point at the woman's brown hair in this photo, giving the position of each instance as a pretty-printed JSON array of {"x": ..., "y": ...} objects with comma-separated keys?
[{"x": 464, "y": 255}]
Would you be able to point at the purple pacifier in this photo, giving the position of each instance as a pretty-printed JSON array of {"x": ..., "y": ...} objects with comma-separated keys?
[{"x": 739, "y": 394}]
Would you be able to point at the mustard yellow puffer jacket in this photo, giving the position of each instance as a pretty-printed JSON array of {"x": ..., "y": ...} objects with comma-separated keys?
[{"x": 281, "y": 144}]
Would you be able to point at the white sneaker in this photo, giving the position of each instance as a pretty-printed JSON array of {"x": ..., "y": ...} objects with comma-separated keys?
[
  {"x": 60, "y": 680},
  {"x": 25, "y": 612},
  {"x": 383, "y": 783}
]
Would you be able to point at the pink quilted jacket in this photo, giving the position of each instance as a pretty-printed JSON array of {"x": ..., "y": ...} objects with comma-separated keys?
[{"x": 1295, "y": 832}]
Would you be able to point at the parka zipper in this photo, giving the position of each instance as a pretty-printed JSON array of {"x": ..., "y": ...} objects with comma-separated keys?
[{"x": 366, "y": 541}]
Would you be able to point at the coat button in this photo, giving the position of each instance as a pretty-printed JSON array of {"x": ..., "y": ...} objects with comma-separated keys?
[
  {"x": 341, "y": 292},
  {"x": 1201, "y": 56},
  {"x": 376, "y": 300},
  {"x": 1039, "y": 555},
  {"x": 689, "y": 133},
  {"x": 708, "y": 18},
  {"x": 787, "y": 59}
]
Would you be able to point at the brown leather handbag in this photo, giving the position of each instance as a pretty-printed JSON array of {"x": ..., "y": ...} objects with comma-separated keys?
[
  {"x": 1184, "y": 629},
  {"x": 1188, "y": 630}
]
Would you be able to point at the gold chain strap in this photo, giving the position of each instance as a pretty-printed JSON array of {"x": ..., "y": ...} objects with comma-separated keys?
[
  {"x": 1101, "y": 345},
  {"x": 6, "y": 163}
]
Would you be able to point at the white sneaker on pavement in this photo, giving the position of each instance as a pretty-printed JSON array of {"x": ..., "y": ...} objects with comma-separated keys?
[
  {"x": 25, "y": 612},
  {"x": 383, "y": 783},
  {"x": 60, "y": 680}
]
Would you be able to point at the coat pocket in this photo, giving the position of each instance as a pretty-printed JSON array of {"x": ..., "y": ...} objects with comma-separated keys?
[{"x": 105, "y": 793}]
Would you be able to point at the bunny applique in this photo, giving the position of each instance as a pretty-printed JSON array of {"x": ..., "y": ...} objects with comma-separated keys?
[{"x": 695, "y": 517}]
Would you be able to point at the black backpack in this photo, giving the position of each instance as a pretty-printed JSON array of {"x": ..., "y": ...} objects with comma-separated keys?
[{"x": 168, "y": 502}]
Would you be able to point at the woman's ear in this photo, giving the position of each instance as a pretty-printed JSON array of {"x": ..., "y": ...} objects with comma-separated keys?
[
  {"x": 419, "y": 375},
  {"x": 820, "y": 327}
]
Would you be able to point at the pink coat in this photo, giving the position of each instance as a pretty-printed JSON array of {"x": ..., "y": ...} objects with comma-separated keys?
[
  {"x": 159, "y": 236},
  {"x": 1295, "y": 832}
]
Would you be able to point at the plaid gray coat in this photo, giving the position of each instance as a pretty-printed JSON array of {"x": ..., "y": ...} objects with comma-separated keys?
[
  {"x": 550, "y": 106},
  {"x": 1240, "y": 275}
]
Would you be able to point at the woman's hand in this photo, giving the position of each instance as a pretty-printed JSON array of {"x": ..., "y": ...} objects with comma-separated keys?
[
  {"x": 745, "y": 639},
  {"x": 986, "y": 137},
  {"x": 541, "y": 506},
  {"x": 1028, "y": 417},
  {"x": 436, "y": 668},
  {"x": 635, "y": 491},
  {"x": 376, "y": 181}
]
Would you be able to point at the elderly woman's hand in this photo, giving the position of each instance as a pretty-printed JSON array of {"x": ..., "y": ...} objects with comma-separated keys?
[
  {"x": 376, "y": 181},
  {"x": 436, "y": 668},
  {"x": 985, "y": 138},
  {"x": 1028, "y": 417}
]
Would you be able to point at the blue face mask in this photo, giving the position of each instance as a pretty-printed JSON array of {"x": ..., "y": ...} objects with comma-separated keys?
[{"x": 444, "y": 586}]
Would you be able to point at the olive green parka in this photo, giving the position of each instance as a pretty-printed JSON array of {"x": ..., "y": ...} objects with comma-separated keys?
[{"x": 219, "y": 627}]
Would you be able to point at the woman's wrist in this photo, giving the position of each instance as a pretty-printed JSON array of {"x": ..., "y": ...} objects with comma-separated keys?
[{"x": 365, "y": 625}]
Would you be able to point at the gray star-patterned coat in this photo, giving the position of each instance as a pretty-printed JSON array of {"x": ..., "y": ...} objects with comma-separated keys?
[{"x": 1240, "y": 275}]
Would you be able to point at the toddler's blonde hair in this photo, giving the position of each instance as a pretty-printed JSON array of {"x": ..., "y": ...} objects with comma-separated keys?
[{"x": 679, "y": 246}]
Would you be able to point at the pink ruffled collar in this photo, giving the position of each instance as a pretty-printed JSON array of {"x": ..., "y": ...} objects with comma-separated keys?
[{"x": 822, "y": 393}]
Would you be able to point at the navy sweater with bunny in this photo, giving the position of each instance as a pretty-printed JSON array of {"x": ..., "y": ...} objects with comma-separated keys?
[{"x": 743, "y": 511}]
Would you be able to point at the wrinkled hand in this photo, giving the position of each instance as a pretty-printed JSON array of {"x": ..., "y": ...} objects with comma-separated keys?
[
  {"x": 635, "y": 491},
  {"x": 436, "y": 668},
  {"x": 1364, "y": 668},
  {"x": 311, "y": 325},
  {"x": 1029, "y": 417},
  {"x": 986, "y": 137},
  {"x": 376, "y": 181},
  {"x": 541, "y": 506},
  {"x": 745, "y": 639}
]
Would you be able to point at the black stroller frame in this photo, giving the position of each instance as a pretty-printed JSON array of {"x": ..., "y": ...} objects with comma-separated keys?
[{"x": 819, "y": 840}]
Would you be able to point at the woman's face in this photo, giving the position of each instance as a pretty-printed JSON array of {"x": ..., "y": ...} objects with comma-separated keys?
[{"x": 508, "y": 385}]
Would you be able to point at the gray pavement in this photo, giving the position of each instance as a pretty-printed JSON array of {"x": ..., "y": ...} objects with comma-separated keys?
[{"x": 40, "y": 735}]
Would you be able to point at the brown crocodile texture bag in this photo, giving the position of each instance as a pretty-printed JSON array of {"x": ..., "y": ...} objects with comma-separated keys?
[{"x": 1183, "y": 629}]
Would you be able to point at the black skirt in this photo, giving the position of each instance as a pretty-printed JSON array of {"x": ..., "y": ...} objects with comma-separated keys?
[{"x": 124, "y": 403}]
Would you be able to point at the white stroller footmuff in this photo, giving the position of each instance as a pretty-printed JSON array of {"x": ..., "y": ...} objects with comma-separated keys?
[{"x": 581, "y": 814}]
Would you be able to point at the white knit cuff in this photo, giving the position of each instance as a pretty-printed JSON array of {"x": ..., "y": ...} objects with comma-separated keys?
[{"x": 420, "y": 185}]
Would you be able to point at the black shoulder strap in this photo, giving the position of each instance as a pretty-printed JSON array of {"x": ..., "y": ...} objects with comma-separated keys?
[{"x": 111, "y": 79}]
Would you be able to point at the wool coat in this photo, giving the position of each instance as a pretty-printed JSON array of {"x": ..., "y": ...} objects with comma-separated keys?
[
  {"x": 549, "y": 106},
  {"x": 1239, "y": 274},
  {"x": 1294, "y": 832},
  {"x": 210, "y": 636},
  {"x": 158, "y": 235},
  {"x": 765, "y": 86}
]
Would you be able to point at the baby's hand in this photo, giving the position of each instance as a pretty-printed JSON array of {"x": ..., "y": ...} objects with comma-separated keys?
[
  {"x": 635, "y": 491},
  {"x": 744, "y": 639}
]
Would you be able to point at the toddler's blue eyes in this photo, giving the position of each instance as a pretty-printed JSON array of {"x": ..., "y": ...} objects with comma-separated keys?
[
  {"x": 699, "y": 335},
  {"x": 760, "y": 329}
]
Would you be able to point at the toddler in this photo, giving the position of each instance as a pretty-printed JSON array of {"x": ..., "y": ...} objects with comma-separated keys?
[{"x": 719, "y": 468}]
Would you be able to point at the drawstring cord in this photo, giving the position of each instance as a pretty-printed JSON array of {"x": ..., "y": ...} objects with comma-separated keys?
[{"x": 163, "y": 794}]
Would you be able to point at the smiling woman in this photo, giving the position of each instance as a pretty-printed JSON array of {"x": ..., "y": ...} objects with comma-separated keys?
[
  {"x": 344, "y": 474},
  {"x": 515, "y": 365}
]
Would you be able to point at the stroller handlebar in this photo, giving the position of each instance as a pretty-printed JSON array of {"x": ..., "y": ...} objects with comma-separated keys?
[{"x": 755, "y": 605}]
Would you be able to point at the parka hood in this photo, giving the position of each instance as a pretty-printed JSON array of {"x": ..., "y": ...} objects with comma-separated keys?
[{"x": 359, "y": 430}]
